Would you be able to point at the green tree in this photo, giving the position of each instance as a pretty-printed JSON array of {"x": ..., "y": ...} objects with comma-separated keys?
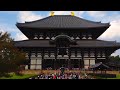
[
  {"x": 114, "y": 61},
  {"x": 10, "y": 57}
]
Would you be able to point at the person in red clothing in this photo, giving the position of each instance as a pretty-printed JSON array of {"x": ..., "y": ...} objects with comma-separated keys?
[{"x": 54, "y": 77}]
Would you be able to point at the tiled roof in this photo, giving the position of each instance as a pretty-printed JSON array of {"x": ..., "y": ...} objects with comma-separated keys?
[
  {"x": 80, "y": 43},
  {"x": 99, "y": 66},
  {"x": 62, "y": 21}
]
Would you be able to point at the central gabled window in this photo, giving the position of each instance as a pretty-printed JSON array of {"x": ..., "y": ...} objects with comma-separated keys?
[
  {"x": 62, "y": 43},
  {"x": 62, "y": 51}
]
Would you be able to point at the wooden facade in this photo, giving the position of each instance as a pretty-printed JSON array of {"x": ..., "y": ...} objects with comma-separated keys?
[{"x": 64, "y": 40}]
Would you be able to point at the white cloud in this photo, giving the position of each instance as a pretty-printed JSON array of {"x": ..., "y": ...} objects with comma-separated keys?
[
  {"x": 117, "y": 52},
  {"x": 77, "y": 13},
  {"x": 15, "y": 33},
  {"x": 61, "y": 12},
  {"x": 1, "y": 30},
  {"x": 97, "y": 14},
  {"x": 113, "y": 32},
  {"x": 27, "y": 16},
  {"x": 20, "y": 36},
  {"x": 31, "y": 16}
]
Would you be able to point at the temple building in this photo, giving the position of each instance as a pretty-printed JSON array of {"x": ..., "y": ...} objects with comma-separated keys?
[{"x": 64, "y": 40}]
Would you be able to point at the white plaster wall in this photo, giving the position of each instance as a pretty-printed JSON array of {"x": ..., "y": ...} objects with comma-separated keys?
[
  {"x": 32, "y": 67},
  {"x": 26, "y": 67},
  {"x": 33, "y": 61},
  {"x": 86, "y": 62},
  {"x": 38, "y": 66},
  {"x": 39, "y": 62},
  {"x": 92, "y": 62}
]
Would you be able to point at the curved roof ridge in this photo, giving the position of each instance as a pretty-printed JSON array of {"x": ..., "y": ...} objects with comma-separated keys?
[
  {"x": 91, "y": 20},
  {"x": 35, "y": 20},
  {"x": 43, "y": 18},
  {"x": 63, "y": 21},
  {"x": 62, "y": 16},
  {"x": 105, "y": 40}
]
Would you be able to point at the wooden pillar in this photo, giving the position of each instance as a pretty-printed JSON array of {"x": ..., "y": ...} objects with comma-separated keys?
[
  {"x": 42, "y": 53},
  {"x": 106, "y": 55},
  {"x": 69, "y": 59},
  {"x": 54, "y": 61},
  {"x": 80, "y": 35},
  {"x": 82, "y": 58},
  {"x": 79, "y": 60},
  {"x": 89, "y": 63},
  {"x": 89, "y": 56},
  {"x": 95, "y": 54},
  {"x": 79, "y": 63},
  {"x": 29, "y": 56}
]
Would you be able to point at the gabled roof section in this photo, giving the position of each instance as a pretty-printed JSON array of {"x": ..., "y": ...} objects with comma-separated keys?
[
  {"x": 100, "y": 66},
  {"x": 80, "y": 43},
  {"x": 62, "y": 21},
  {"x": 97, "y": 43},
  {"x": 64, "y": 38}
]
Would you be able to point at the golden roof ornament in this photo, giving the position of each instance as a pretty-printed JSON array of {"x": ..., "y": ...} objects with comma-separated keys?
[
  {"x": 52, "y": 13},
  {"x": 72, "y": 14}
]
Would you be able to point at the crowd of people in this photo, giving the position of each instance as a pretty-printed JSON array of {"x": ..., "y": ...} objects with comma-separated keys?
[
  {"x": 70, "y": 75},
  {"x": 63, "y": 75}
]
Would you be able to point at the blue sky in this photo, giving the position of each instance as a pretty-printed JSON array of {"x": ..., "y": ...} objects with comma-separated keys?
[{"x": 8, "y": 19}]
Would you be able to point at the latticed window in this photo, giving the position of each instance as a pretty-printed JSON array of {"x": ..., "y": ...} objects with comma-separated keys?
[
  {"x": 79, "y": 54},
  {"x": 92, "y": 54},
  {"x": 33, "y": 55},
  {"x": 86, "y": 53},
  {"x": 103, "y": 54},
  {"x": 39, "y": 55},
  {"x": 52, "y": 54},
  {"x": 99, "y": 54},
  {"x": 46, "y": 53},
  {"x": 72, "y": 53},
  {"x": 62, "y": 51}
]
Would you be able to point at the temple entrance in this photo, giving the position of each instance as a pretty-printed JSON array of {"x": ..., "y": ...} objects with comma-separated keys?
[
  {"x": 74, "y": 63},
  {"x": 56, "y": 64},
  {"x": 61, "y": 62},
  {"x": 47, "y": 64},
  {"x": 77, "y": 64},
  {"x": 81, "y": 64}
]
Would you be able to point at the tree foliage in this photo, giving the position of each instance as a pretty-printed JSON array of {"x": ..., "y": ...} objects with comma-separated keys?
[
  {"x": 10, "y": 57},
  {"x": 114, "y": 62},
  {"x": 114, "y": 59}
]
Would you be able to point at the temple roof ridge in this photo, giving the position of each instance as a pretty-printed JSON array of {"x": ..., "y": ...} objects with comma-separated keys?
[{"x": 62, "y": 21}]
